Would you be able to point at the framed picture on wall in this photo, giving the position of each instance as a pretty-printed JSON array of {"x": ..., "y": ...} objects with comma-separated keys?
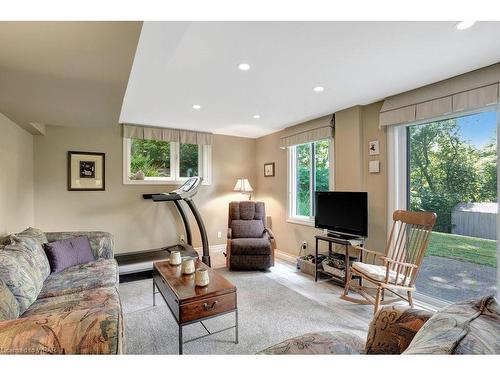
[
  {"x": 86, "y": 171},
  {"x": 373, "y": 147},
  {"x": 269, "y": 170}
]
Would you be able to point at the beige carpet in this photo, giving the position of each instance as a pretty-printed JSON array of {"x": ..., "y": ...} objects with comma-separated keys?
[{"x": 269, "y": 312}]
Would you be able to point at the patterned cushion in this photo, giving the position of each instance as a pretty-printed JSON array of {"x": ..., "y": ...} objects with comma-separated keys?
[
  {"x": 101, "y": 273},
  {"x": 21, "y": 273},
  {"x": 9, "y": 308},
  {"x": 33, "y": 247},
  {"x": 468, "y": 327},
  {"x": 36, "y": 234},
  {"x": 88, "y": 322},
  {"x": 393, "y": 328},
  {"x": 247, "y": 228},
  {"x": 319, "y": 343},
  {"x": 378, "y": 272},
  {"x": 101, "y": 242}
]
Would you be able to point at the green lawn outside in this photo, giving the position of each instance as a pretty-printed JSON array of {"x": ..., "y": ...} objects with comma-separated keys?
[{"x": 464, "y": 248}]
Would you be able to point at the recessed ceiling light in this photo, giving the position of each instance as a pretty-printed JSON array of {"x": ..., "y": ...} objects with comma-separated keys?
[
  {"x": 256, "y": 117},
  {"x": 244, "y": 66},
  {"x": 462, "y": 25},
  {"x": 318, "y": 89},
  {"x": 196, "y": 106}
]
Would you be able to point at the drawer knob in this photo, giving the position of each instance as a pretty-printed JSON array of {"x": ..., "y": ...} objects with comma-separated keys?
[{"x": 208, "y": 307}]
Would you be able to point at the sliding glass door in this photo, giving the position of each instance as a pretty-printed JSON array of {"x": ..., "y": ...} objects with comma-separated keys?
[{"x": 451, "y": 169}]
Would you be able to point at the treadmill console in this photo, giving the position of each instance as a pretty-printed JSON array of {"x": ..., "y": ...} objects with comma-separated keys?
[
  {"x": 192, "y": 183},
  {"x": 185, "y": 191},
  {"x": 189, "y": 188}
]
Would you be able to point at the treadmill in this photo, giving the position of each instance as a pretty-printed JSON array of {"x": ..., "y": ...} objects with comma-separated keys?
[{"x": 143, "y": 260}]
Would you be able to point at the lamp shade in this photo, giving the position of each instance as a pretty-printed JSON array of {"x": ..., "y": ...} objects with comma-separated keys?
[{"x": 243, "y": 185}]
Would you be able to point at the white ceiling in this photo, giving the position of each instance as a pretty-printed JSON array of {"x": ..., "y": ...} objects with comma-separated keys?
[{"x": 178, "y": 64}]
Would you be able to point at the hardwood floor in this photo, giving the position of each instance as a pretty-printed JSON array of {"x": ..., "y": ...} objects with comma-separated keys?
[
  {"x": 323, "y": 292},
  {"x": 326, "y": 293}
]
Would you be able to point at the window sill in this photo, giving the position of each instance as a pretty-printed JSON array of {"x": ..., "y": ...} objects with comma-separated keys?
[
  {"x": 308, "y": 223},
  {"x": 429, "y": 303},
  {"x": 160, "y": 182}
]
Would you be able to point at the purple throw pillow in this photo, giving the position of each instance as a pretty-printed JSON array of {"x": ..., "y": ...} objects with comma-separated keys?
[{"x": 67, "y": 253}]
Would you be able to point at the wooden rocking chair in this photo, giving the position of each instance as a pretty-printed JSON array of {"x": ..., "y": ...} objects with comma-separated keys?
[{"x": 397, "y": 269}]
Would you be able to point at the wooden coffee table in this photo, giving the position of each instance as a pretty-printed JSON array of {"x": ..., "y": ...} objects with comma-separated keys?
[{"x": 191, "y": 304}]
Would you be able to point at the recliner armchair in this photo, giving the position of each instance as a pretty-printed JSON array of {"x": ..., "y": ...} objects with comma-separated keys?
[{"x": 250, "y": 244}]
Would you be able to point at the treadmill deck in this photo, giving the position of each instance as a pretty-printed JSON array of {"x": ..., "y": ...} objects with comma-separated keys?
[{"x": 139, "y": 261}]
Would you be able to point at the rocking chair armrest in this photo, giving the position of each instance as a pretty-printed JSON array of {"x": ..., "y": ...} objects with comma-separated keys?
[
  {"x": 365, "y": 250},
  {"x": 404, "y": 264}
]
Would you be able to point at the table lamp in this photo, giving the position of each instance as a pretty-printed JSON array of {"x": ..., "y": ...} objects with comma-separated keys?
[{"x": 244, "y": 187}]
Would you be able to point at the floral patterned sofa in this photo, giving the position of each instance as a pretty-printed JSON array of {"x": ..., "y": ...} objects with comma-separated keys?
[
  {"x": 75, "y": 311},
  {"x": 468, "y": 327}
]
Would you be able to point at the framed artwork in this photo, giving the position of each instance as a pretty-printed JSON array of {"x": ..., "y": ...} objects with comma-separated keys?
[
  {"x": 373, "y": 147},
  {"x": 269, "y": 170},
  {"x": 86, "y": 171}
]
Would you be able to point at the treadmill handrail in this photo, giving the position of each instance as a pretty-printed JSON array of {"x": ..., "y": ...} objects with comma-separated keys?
[
  {"x": 179, "y": 193},
  {"x": 166, "y": 197}
]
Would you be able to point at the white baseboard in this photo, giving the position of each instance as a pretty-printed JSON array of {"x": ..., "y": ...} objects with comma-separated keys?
[
  {"x": 285, "y": 256},
  {"x": 215, "y": 249}
]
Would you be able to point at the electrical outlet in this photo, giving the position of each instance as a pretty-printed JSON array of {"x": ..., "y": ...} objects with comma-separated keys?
[
  {"x": 219, "y": 234},
  {"x": 304, "y": 245},
  {"x": 182, "y": 239}
]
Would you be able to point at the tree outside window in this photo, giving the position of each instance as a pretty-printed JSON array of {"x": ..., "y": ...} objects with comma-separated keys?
[
  {"x": 312, "y": 174},
  {"x": 151, "y": 157},
  {"x": 167, "y": 160}
]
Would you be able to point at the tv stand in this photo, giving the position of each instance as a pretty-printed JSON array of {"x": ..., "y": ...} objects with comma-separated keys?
[
  {"x": 342, "y": 236},
  {"x": 344, "y": 240}
]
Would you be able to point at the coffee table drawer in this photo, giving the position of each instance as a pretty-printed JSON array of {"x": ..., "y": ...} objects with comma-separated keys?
[{"x": 207, "y": 307}]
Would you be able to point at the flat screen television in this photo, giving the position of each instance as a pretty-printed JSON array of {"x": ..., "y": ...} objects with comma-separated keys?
[{"x": 342, "y": 212}]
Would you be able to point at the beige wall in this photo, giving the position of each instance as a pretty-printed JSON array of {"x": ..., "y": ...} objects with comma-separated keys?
[
  {"x": 136, "y": 224},
  {"x": 16, "y": 180},
  {"x": 375, "y": 183},
  {"x": 354, "y": 127},
  {"x": 273, "y": 191},
  {"x": 348, "y": 150}
]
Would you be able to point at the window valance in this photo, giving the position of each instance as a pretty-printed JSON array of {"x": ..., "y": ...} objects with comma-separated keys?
[
  {"x": 322, "y": 131},
  {"x": 474, "y": 90},
  {"x": 167, "y": 134}
]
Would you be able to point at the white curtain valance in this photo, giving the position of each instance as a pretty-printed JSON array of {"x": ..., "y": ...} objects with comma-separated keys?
[
  {"x": 306, "y": 136},
  {"x": 469, "y": 91},
  {"x": 478, "y": 98},
  {"x": 167, "y": 134},
  {"x": 314, "y": 130},
  {"x": 433, "y": 108},
  {"x": 398, "y": 116}
]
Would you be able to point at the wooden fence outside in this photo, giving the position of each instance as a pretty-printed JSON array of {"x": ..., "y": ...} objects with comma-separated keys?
[{"x": 472, "y": 222}]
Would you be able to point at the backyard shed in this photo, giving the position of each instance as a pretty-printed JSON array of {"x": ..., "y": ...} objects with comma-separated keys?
[{"x": 475, "y": 220}]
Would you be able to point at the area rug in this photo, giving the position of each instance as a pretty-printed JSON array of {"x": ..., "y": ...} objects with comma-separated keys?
[{"x": 269, "y": 313}]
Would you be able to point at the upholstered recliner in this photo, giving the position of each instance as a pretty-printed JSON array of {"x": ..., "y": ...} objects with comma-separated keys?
[{"x": 250, "y": 244}]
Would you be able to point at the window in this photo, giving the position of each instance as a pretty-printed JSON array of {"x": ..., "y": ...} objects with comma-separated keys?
[
  {"x": 164, "y": 162},
  {"x": 308, "y": 172},
  {"x": 451, "y": 169},
  {"x": 189, "y": 156},
  {"x": 150, "y": 157}
]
